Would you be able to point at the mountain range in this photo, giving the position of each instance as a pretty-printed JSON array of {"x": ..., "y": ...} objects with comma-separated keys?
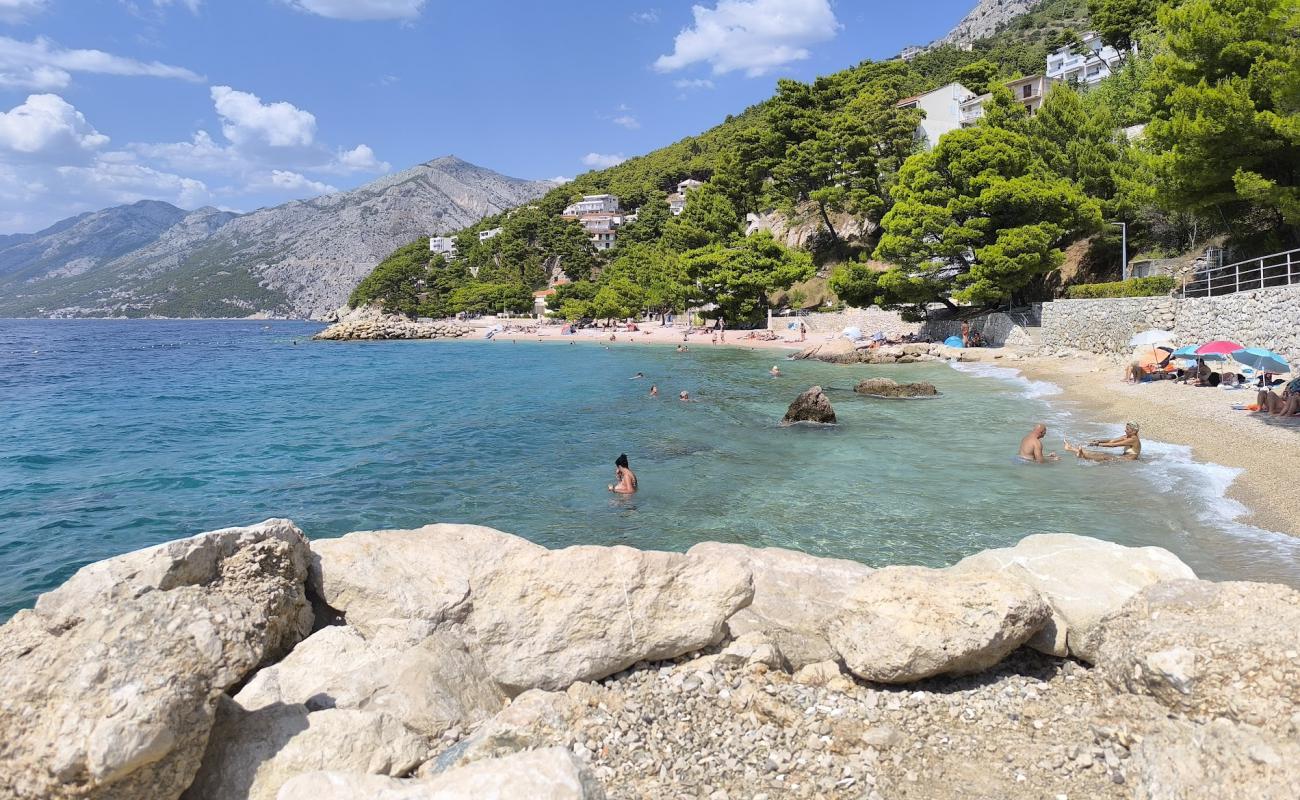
[{"x": 299, "y": 259}]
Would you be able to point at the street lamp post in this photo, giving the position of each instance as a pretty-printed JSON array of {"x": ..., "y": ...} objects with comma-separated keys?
[{"x": 1123, "y": 270}]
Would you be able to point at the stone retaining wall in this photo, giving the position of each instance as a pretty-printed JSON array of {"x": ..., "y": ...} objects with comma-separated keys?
[
  {"x": 868, "y": 320},
  {"x": 1264, "y": 318}
]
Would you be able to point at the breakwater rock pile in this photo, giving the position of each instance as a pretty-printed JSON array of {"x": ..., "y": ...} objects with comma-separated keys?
[
  {"x": 392, "y": 327},
  {"x": 844, "y": 351},
  {"x": 455, "y": 661}
]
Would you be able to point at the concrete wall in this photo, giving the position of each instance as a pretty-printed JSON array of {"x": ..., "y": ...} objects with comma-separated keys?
[
  {"x": 995, "y": 329},
  {"x": 868, "y": 320},
  {"x": 1265, "y": 318}
]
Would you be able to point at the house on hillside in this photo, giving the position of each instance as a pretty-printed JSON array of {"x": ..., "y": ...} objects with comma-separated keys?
[
  {"x": 910, "y": 52},
  {"x": 593, "y": 204},
  {"x": 483, "y": 236},
  {"x": 677, "y": 200},
  {"x": 1085, "y": 68},
  {"x": 444, "y": 246},
  {"x": 1029, "y": 91},
  {"x": 942, "y": 108}
]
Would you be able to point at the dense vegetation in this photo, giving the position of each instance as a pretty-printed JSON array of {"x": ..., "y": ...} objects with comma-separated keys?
[
  {"x": 1133, "y": 287},
  {"x": 982, "y": 218}
]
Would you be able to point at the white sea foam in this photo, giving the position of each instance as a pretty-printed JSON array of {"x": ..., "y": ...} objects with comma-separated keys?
[{"x": 1032, "y": 390}]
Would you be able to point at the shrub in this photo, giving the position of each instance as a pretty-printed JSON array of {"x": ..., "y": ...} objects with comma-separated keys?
[{"x": 1133, "y": 287}]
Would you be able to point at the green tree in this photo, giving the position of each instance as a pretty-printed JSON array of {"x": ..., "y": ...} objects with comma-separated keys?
[
  {"x": 651, "y": 220},
  {"x": 658, "y": 272},
  {"x": 486, "y": 298},
  {"x": 977, "y": 219},
  {"x": 1121, "y": 22},
  {"x": 978, "y": 76},
  {"x": 740, "y": 277},
  {"x": 397, "y": 282},
  {"x": 709, "y": 218}
]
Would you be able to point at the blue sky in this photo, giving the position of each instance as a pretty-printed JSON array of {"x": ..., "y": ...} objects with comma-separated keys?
[{"x": 246, "y": 103}]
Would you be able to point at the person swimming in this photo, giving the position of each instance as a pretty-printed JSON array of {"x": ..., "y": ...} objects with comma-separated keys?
[
  {"x": 654, "y": 390},
  {"x": 624, "y": 477},
  {"x": 1031, "y": 447},
  {"x": 775, "y": 371},
  {"x": 1130, "y": 441},
  {"x": 636, "y": 376},
  {"x": 684, "y": 396}
]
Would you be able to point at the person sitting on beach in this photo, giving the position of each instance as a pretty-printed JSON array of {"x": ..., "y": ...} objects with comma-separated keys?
[
  {"x": 1283, "y": 405},
  {"x": 1130, "y": 441},
  {"x": 624, "y": 478},
  {"x": 654, "y": 390},
  {"x": 976, "y": 340},
  {"x": 1031, "y": 447},
  {"x": 775, "y": 371}
]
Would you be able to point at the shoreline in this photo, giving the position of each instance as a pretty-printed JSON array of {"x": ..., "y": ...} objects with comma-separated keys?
[{"x": 1261, "y": 448}]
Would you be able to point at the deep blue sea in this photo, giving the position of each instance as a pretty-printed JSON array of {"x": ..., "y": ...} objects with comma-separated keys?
[{"x": 120, "y": 434}]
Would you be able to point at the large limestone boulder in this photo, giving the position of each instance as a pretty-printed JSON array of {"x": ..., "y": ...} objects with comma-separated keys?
[
  {"x": 887, "y": 387},
  {"x": 430, "y": 686},
  {"x": 795, "y": 596},
  {"x": 902, "y": 624},
  {"x": 811, "y": 406},
  {"x": 108, "y": 688},
  {"x": 1208, "y": 649},
  {"x": 836, "y": 351},
  {"x": 1083, "y": 580},
  {"x": 532, "y": 720},
  {"x": 1217, "y": 761},
  {"x": 251, "y": 754},
  {"x": 545, "y": 620},
  {"x": 418, "y": 578},
  {"x": 550, "y": 774}
]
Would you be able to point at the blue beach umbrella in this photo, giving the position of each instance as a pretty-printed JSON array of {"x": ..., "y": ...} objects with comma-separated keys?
[
  {"x": 1189, "y": 353},
  {"x": 953, "y": 341},
  {"x": 1262, "y": 359}
]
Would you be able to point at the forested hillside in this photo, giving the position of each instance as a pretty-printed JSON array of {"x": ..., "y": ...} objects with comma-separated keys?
[{"x": 982, "y": 218}]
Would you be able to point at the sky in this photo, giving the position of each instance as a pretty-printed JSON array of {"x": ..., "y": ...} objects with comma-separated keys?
[{"x": 240, "y": 104}]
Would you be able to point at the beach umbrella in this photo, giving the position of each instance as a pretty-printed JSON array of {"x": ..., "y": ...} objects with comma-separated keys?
[
  {"x": 1262, "y": 359},
  {"x": 1219, "y": 347},
  {"x": 852, "y": 333},
  {"x": 1151, "y": 337},
  {"x": 953, "y": 341},
  {"x": 1189, "y": 353},
  {"x": 1151, "y": 355}
]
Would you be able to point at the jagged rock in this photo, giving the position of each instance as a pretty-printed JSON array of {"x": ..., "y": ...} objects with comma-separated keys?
[
  {"x": 430, "y": 686},
  {"x": 251, "y": 754},
  {"x": 902, "y": 624},
  {"x": 544, "y": 620},
  {"x": 418, "y": 579},
  {"x": 836, "y": 351},
  {"x": 531, "y": 720},
  {"x": 550, "y": 774},
  {"x": 885, "y": 387},
  {"x": 811, "y": 406},
  {"x": 126, "y": 661},
  {"x": 1208, "y": 649},
  {"x": 818, "y": 674},
  {"x": 1217, "y": 761},
  {"x": 754, "y": 648},
  {"x": 1083, "y": 579},
  {"x": 795, "y": 596}
]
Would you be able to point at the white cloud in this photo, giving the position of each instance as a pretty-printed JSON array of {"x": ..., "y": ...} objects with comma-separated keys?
[
  {"x": 295, "y": 183},
  {"x": 245, "y": 119},
  {"x": 693, "y": 83},
  {"x": 601, "y": 160},
  {"x": 561, "y": 179},
  {"x": 627, "y": 121},
  {"x": 755, "y": 36},
  {"x": 648, "y": 17},
  {"x": 42, "y": 64},
  {"x": 200, "y": 154},
  {"x": 359, "y": 159},
  {"x": 46, "y": 124},
  {"x": 360, "y": 9},
  {"x": 15, "y": 11},
  {"x": 117, "y": 182},
  {"x": 192, "y": 5}
]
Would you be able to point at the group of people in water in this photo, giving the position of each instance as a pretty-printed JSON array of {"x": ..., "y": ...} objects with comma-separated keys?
[{"x": 1130, "y": 444}]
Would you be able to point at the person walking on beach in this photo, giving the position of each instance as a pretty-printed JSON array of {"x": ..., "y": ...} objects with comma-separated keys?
[
  {"x": 1130, "y": 441},
  {"x": 1031, "y": 447},
  {"x": 624, "y": 478},
  {"x": 803, "y": 332}
]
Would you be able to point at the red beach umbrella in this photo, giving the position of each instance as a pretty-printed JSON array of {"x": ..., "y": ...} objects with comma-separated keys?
[{"x": 1219, "y": 347}]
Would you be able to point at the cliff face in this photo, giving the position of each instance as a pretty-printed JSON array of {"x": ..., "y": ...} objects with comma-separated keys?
[
  {"x": 986, "y": 18},
  {"x": 300, "y": 259}
]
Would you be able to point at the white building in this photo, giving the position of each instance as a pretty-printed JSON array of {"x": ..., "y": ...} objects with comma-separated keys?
[
  {"x": 604, "y": 240},
  {"x": 593, "y": 204},
  {"x": 687, "y": 185},
  {"x": 1084, "y": 68},
  {"x": 910, "y": 52},
  {"x": 443, "y": 245},
  {"x": 1029, "y": 92},
  {"x": 676, "y": 204},
  {"x": 942, "y": 109},
  {"x": 483, "y": 236}
]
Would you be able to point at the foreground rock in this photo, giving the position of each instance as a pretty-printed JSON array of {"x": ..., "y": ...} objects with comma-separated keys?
[
  {"x": 1082, "y": 579},
  {"x": 844, "y": 351},
  {"x": 886, "y": 387},
  {"x": 795, "y": 596},
  {"x": 550, "y": 774},
  {"x": 902, "y": 624},
  {"x": 1209, "y": 650},
  {"x": 1218, "y": 761},
  {"x": 811, "y": 406},
  {"x": 108, "y": 688}
]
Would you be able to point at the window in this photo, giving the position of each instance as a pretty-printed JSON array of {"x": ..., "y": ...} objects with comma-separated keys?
[{"x": 1028, "y": 91}]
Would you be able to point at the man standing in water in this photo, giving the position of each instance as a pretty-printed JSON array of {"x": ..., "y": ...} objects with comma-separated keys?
[
  {"x": 1130, "y": 441},
  {"x": 1031, "y": 447},
  {"x": 624, "y": 478}
]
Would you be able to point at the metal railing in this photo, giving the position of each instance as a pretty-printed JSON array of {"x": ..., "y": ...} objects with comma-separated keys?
[{"x": 1266, "y": 272}]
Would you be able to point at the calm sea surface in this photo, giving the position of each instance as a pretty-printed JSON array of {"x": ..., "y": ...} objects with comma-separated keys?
[{"x": 117, "y": 435}]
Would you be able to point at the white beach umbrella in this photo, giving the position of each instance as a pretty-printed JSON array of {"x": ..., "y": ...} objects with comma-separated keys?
[
  {"x": 852, "y": 333},
  {"x": 1151, "y": 338}
]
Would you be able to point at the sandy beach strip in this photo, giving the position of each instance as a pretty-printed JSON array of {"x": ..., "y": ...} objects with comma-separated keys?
[
  {"x": 653, "y": 333},
  {"x": 1266, "y": 448}
]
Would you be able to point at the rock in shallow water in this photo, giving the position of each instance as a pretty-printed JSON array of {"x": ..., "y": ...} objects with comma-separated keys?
[
  {"x": 811, "y": 406},
  {"x": 902, "y": 624},
  {"x": 885, "y": 387}
]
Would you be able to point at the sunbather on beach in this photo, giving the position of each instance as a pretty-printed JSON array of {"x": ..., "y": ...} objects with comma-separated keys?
[
  {"x": 1130, "y": 441},
  {"x": 1284, "y": 405},
  {"x": 1031, "y": 447},
  {"x": 624, "y": 478}
]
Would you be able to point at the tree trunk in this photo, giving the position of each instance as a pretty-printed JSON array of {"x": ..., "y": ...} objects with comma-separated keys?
[{"x": 826, "y": 218}]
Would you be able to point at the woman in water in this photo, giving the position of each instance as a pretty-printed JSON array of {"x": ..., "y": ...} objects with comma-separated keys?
[
  {"x": 1130, "y": 441},
  {"x": 624, "y": 478}
]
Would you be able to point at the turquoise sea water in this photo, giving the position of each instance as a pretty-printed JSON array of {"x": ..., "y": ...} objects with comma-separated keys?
[{"x": 118, "y": 435}]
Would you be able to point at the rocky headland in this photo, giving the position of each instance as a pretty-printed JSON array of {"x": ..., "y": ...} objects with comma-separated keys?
[{"x": 456, "y": 661}]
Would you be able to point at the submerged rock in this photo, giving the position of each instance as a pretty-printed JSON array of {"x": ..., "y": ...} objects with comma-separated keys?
[
  {"x": 108, "y": 688},
  {"x": 885, "y": 387},
  {"x": 811, "y": 406},
  {"x": 902, "y": 624},
  {"x": 1082, "y": 579}
]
